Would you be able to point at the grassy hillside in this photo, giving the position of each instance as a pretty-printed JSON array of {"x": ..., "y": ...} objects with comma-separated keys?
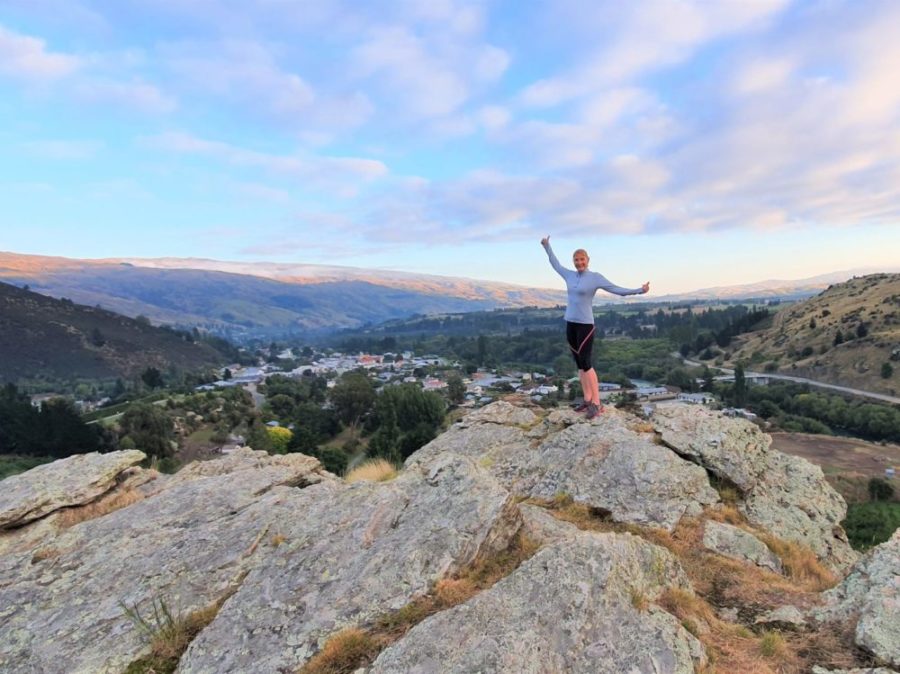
[
  {"x": 848, "y": 335},
  {"x": 44, "y": 336}
]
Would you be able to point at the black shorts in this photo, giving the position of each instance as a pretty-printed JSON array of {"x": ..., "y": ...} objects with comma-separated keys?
[{"x": 581, "y": 340}]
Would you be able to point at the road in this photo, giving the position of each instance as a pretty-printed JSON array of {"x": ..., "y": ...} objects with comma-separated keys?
[
  {"x": 258, "y": 398},
  {"x": 801, "y": 380}
]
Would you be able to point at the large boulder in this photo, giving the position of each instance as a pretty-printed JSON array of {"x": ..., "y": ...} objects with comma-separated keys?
[
  {"x": 291, "y": 470},
  {"x": 350, "y": 556},
  {"x": 785, "y": 495},
  {"x": 602, "y": 463},
  {"x": 187, "y": 546},
  {"x": 67, "y": 482},
  {"x": 738, "y": 544},
  {"x": 871, "y": 591},
  {"x": 583, "y": 605}
]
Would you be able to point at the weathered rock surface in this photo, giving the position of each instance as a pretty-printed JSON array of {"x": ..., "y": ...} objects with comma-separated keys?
[
  {"x": 296, "y": 470},
  {"x": 872, "y": 591},
  {"x": 786, "y": 495},
  {"x": 501, "y": 412},
  {"x": 576, "y": 606},
  {"x": 601, "y": 463},
  {"x": 348, "y": 557},
  {"x": 72, "y": 481},
  {"x": 187, "y": 546},
  {"x": 783, "y": 616},
  {"x": 295, "y": 565},
  {"x": 543, "y": 528},
  {"x": 740, "y": 545}
]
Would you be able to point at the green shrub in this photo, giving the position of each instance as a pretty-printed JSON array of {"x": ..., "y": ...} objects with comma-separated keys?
[
  {"x": 12, "y": 465},
  {"x": 869, "y": 524},
  {"x": 880, "y": 490}
]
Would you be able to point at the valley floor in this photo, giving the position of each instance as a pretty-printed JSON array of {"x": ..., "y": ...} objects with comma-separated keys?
[{"x": 837, "y": 454}]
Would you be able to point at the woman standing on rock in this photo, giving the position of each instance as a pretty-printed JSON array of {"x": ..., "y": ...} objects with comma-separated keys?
[{"x": 581, "y": 286}]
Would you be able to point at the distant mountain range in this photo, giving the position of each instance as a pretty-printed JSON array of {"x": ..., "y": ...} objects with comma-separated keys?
[
  {"x": 793, "y": 289},
  {"x": 270, "y": 299}
]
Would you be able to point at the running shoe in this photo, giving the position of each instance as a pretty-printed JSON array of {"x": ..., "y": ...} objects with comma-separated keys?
[
  {"x": 593, "y": 410},
  {"x": 582, "y": 406}
]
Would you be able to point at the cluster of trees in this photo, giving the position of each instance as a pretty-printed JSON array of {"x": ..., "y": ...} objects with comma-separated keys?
[
  {"x": 868, "y": 524},
  {"x": 794, "y": 407},
  {"x": 679, "y": 324},
  {"x": 404, "y": 418},
  {"x": 397, "y": 420},
  {"x": 53, "y": 430}
]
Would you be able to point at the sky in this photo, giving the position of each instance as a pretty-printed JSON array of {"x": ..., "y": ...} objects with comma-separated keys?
[{"x": 691, "y": 143}]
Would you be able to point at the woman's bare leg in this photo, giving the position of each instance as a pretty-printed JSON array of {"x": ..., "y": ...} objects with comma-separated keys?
[
  {"x": 585, "y": 385},
  {"x": 594, "y": 386}
]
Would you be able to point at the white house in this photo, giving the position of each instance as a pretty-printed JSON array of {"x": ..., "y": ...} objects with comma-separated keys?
[{"x": 696, "y": 398}]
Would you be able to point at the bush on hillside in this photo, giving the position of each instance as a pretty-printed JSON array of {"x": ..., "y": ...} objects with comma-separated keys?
[
  {"x": 869, "y": 524},
  {"x": 880, "y": 490}
]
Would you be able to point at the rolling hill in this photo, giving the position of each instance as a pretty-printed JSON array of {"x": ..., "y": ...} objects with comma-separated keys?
[
  {"x": 259, "y": 299},
  {"x": 43, "y": 336},
  {"x": 845, "y": 335}
]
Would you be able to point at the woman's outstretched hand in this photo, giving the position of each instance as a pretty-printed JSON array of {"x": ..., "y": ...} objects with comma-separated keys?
[
  {"x": 545, "y": 241},
  {"x": 646, "y": 287}
]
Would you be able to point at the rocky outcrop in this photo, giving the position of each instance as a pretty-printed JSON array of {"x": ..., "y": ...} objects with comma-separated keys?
[
  {"x": 783, "y": 617},
  {"x": 576, "y": 606},
  {"x": 188, "y": 546},
  {"x": 350, "y": 555},
  {"x": 871, "y": 591},
  {"x": 73, "y": 481},
  {"x": 738, "y": 544},
  {"x": 289, "y": 555},
  {"x": 602, "y": 463},
  {"x": 290, "y": 470},
  {"x": 784, "y": 494}
]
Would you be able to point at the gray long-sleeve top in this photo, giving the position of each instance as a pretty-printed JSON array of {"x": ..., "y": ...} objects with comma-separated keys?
[{"x": 581, "y": 288}]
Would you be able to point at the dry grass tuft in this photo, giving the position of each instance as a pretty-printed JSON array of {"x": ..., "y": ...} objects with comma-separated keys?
[
  {"x": 729, "y": 495},
  {"x": 720, "y": 582},
  {"x": 800, "y": 564},
  {"x": 374, "y": 470},
  {"x": 772, "y": 644},
  {"x": 453, "y": 591},
  {"x": 102, "y": 506},
  {"x": 832, "y": 647},
  {"x": 343, "y": 653},
  {"x": 363, "y": 646},
  {"x": 641, "y": 427},
  {"x": 490, "y": 568},
  {"x": 731, "y": 648},
  {"x": 639, "y": 599},
  {"x": 169, "y": 636},
  {"x": 727, "y": 514}
]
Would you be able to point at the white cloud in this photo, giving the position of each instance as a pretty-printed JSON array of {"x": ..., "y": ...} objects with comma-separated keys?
[
  {"x": 63, "y": 149},
  {"x": 643, "y": 37},
  {"x": 761, "y": 74},
  {"x": 264, "y": 192},
  {"x": 493, "y": 117},
  {"x": 27, "y": 58},
  {"x": 339, "y": 174},
  {"x": 419, "y": 83},
  {"x": 140, "y": 96}
]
